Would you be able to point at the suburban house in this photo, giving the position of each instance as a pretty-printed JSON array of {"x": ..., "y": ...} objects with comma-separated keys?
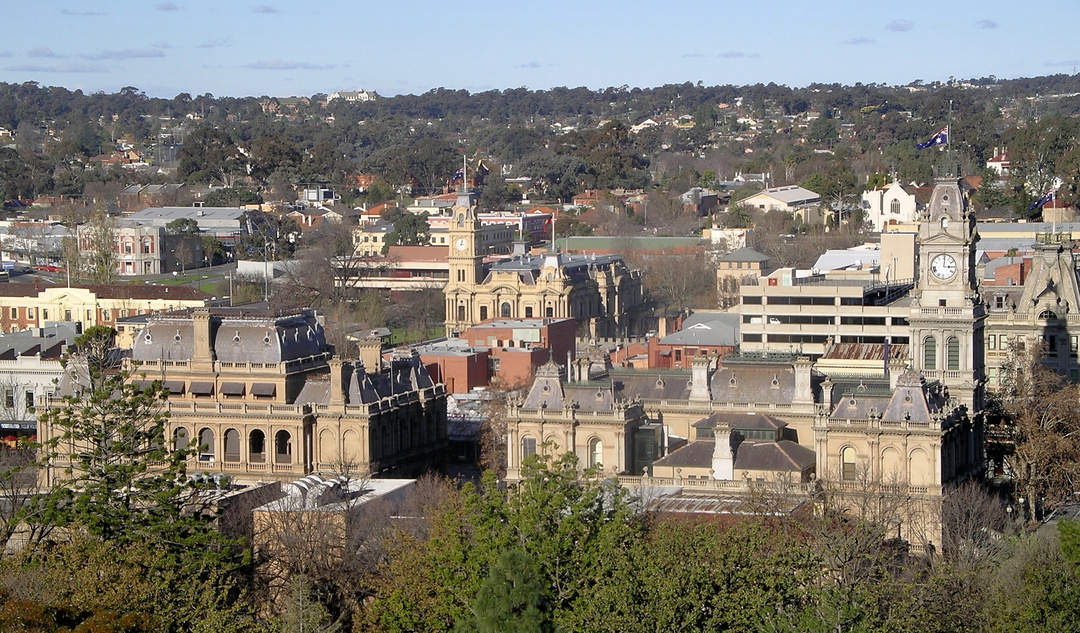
[{"x": 801, "y": 203}]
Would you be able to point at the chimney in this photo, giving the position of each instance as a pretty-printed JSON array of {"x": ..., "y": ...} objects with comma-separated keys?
[
  {"x": 202, "y": 355},
  {"x": 337, "y": 388},
  {"x": 699, "y": 378},
  {"x": 723, "y": 459},
  {"x": 371, "y": 354},
  {"x": 896, "y": 367},
  {"x": 826, "y": 392},
  {"x": 803, "y": 392}
]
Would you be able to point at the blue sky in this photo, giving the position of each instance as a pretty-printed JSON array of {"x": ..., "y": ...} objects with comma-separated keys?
[{"x": 275, "y": 47}]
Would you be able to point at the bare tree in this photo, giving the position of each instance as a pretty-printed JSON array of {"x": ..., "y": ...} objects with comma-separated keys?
[
  {"x": 1038, "y": 410},
  {"x": 100, "y": 251}
]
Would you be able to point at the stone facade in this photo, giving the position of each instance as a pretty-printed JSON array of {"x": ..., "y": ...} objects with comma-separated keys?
[
  {"x": 598, "y": 290},
  {"x": 264, "y": 398}
]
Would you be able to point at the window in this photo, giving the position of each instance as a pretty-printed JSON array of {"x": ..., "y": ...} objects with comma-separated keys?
[
  {"x": 206, "y": 445},
  {"x": 180, "y": 439},
  {"x": 504, "y": 310},
  {"x": 282, "y": 447},
  {"x": 991, "y": 341},
  {"x": 105, "y": 315},
  {"x": 1072, "y": 344},
  {"x": 256, "y": 446},
  {"x": 528, "y": 312},
  {"x": 596, "y": 453},
  {"x": 894, "y": 207},
  {"x": 929, "y": 345},
  {"x": 29, "y": 399},
  {"x": 232, "y": 445},
  {"x": 549, "y": 312},
  {"x": 67, "y": 315},
  {"x": 483, "y": 313},
  {"x": 9, "y": 398},
  {"x": 29, "y": 313},
  {"x": 528, "y": 447},
  {"x": 461, "y": 313},
  {"x": 847, "y": 463},
  {"x": 952, "y": 353},
  {"x": 14, "y": 313},
  {"x": 999, "y": 302}
]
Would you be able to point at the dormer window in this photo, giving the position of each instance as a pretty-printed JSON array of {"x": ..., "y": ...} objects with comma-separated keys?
[
  {"x": 659, "y": 383},
  {"x": 148, "y": 338}
]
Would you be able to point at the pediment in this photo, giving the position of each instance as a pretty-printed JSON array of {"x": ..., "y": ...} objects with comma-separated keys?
[{"x": 944, "y": 238}]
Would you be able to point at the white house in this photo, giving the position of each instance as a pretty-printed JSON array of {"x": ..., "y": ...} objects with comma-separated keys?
[{"x": 892, "y": 204}]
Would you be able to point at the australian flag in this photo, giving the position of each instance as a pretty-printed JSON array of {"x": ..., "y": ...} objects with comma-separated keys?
[
  {"x": 941, "y": 138},
  {"x": 1038, "y": 204},
  {"x": 458, "y": 175}
]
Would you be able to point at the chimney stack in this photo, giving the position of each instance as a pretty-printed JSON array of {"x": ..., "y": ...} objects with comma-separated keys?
[{"x": 337, "y": 387}]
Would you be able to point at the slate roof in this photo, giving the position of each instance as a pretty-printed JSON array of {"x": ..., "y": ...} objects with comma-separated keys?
[
  {"x": 711, "y": 328},
  {"x": 696, "y": 454},
  {"x": 741, "y": 421},
  {"x": 784, "y": 456},
  {"x": 744, "y": 254},
  {"x": 750, "y": 383}
]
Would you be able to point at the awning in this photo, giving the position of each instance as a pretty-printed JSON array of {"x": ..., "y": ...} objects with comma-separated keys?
[
  {"x": 202, "y": 388},
  {"x": 232, "y": 388},
  {"x": 264, "y": 389},
  {"x": 174, "y": 386},
  {"x": 142, "y": 384}
]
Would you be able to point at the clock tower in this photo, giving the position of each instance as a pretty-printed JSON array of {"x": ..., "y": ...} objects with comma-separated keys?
[
  {"x": 947, "y": 313},
  {"x": 466, "y": 265}
]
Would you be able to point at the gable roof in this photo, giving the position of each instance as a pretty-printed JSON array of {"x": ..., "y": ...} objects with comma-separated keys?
[{"x": 744, "y": 254}]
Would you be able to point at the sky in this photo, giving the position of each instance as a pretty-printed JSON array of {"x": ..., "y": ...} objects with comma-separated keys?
[{"x": 281, "y": 48}]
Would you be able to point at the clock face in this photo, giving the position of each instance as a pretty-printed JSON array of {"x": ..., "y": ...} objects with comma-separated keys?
[
  {"x": 943, "y": 266},
  {"x": 461, "y": 244}
]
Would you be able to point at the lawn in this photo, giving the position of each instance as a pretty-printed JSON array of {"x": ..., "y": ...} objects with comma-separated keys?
[{"x": 400, "y": 335}]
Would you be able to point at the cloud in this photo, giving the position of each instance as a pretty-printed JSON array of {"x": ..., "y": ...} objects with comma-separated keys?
[
  {"x": 858, "y": 41},
  {"x": 531, "y": 65},
  {"x": 127, "y": 53},
  {"x": 87, "y": 13},
  {"x": 277, "y": 64},
  {"x": 43, "y": 53},
  {"x": 217, "y": 43},
  {"x": 162, "y": 45},
  {"x": 166, "y": 6},
  {"x": 58, "y": 68},
  {"x": 737, "y": 55},
  {"x": 264, "y": 8},
  {"x": 986, "y": 24},
  {"x": 900, "y": 26}
]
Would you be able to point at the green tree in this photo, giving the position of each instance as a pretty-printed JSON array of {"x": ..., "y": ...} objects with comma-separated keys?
[
  {"x": 182, "y": 226},
  {"x": 410, "y": 229},
  {"x": 511, "y": 598},
  {"x": 232, "y": 197}
]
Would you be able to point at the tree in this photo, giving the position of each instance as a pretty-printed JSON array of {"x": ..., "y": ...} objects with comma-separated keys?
[
  {"x": 410, "y": 230},
  {"x": 231, "y": 197},
  {"x": 182, "y": 226},
  {"x": 512, "y": 597},
  {"x": 1038, "y": 408},
  {"x": 101, "y": 250}
]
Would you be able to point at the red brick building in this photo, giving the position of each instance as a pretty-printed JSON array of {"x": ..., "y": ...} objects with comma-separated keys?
[{"x": 506, "y": 350}]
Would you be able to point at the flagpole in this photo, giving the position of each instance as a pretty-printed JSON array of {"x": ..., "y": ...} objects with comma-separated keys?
[{"x": 948, "y": 138}]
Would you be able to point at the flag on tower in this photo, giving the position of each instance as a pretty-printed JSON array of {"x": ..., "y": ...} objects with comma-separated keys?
[
  {"x": 941, "y": 138},
  {"x": 1038, "y": 204}
]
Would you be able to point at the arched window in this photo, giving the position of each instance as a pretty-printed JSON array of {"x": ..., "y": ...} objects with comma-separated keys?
[
  {"x": 180, "y": 439},
  {"x": 929, "y": 348},
  {"x": 232, "y": 445},
  {"x": 847, "y": 463},
  {"x": 596, "y": 453},
  {"x": 483, "y": 313},
  {"x": 257, "y": 446},
  {"x": 206, "y": 445},
  {"x": 282, "y": 447},
  {"x": 504, "y": 310},
  {"x": 894, "y": 207},
  {"x": 952, "y": 353},
  {"x": 528, "y": 447},
  {"x": 1046, "y": 315}
]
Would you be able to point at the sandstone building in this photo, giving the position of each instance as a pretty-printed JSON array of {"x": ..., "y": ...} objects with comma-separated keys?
[{"x": 599, "y": 290}]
